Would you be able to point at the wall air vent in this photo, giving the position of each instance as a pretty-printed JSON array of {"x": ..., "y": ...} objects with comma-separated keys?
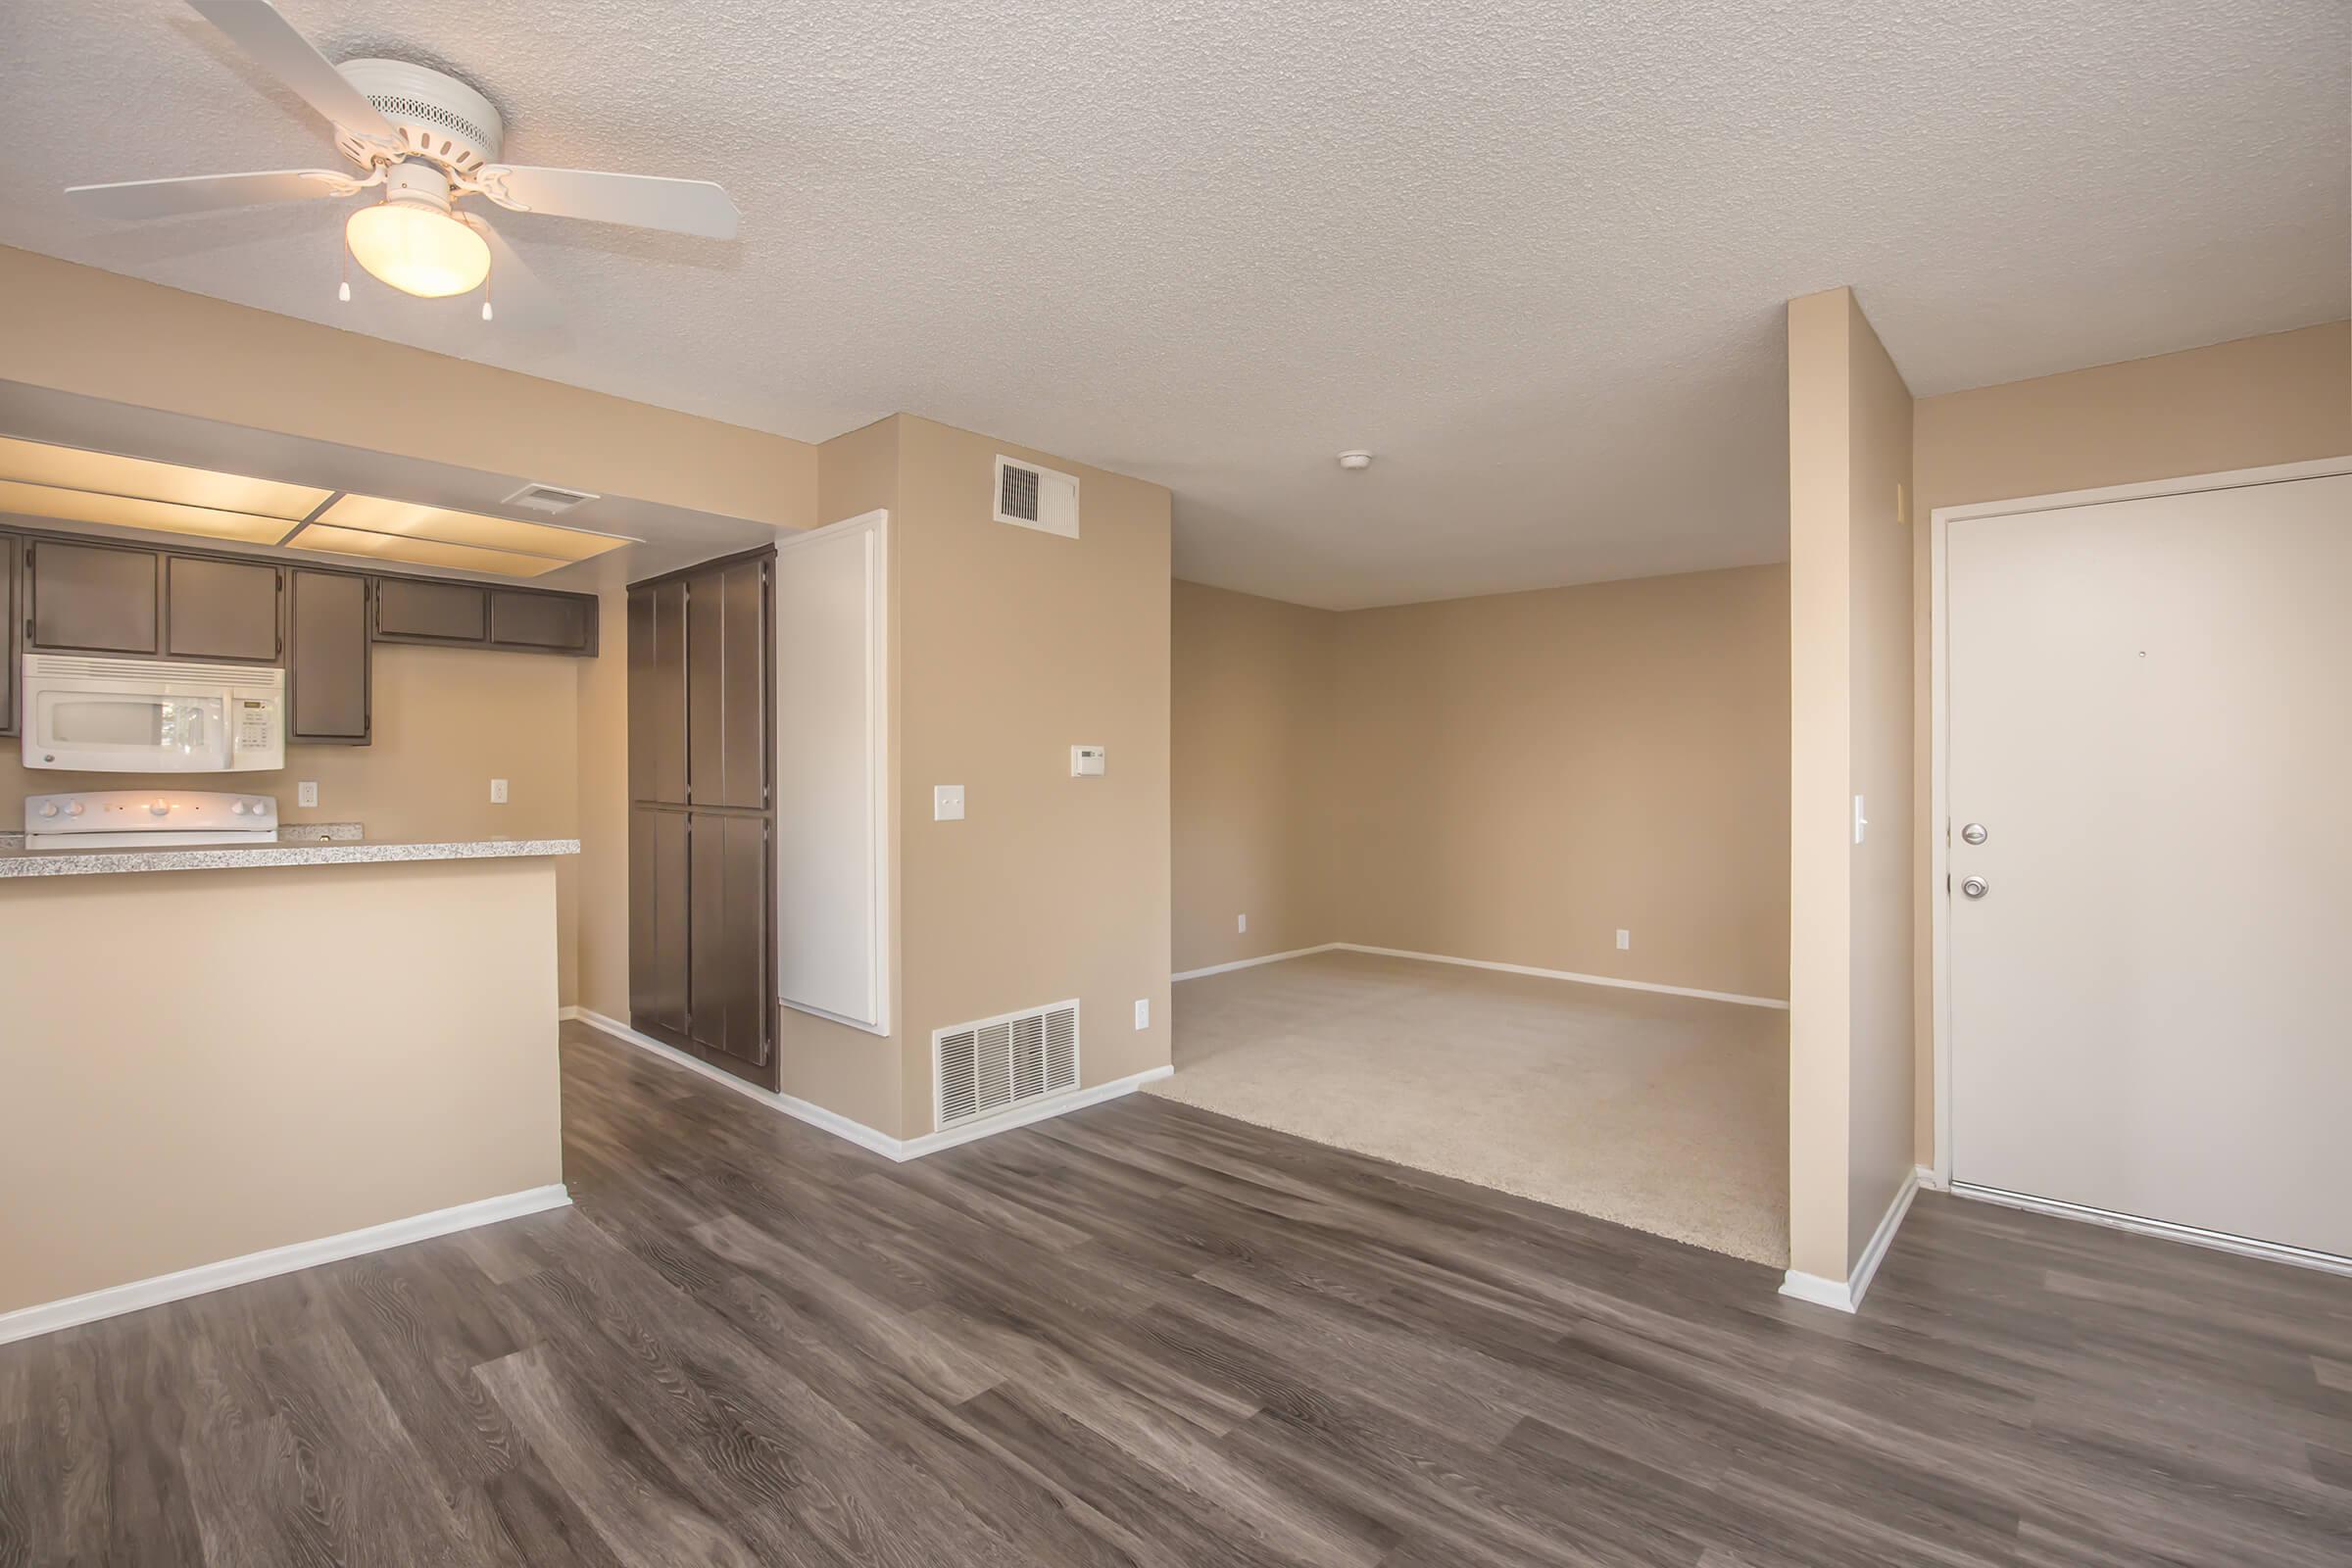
[
  {"x": 980, "y": 1069},
  {"x": 548, "y": 498},
  {"x": 1030, "y": 496}
]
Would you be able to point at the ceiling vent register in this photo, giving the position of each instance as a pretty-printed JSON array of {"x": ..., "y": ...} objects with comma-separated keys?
[
  {"x": 548, "y": 498},
  {"x": 1030, "y": 496},
  {"x": 981, "y": 1069}
]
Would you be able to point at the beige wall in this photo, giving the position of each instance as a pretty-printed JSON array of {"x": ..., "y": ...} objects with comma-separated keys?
[
  {"x": 1516, "y": 777},
  {"x": 156, "y": 1117},
  {"x": 1012, "y": 646},
  {"x": 448, "y": 721},
  {"x": 2285, "y": 397},
  {"x": 1850, "y": 1088},
  {"x": 1879, "y": 545},
  {"x": 82, "y": 330},
  {"x": 1252, "y": 731}
]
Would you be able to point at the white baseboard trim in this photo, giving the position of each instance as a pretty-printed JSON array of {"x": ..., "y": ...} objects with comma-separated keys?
[
  {"x": 115, "y": 1300},
  {"x": 1568, "y": 974},
  {"x": 2194, "y": 1236},
  {"x": 857, "y": 1132},
  {"x": 1845, "y": 1296},
  {"x": 1251, "y": 963},
  {"x": 568, "y": 1014}
]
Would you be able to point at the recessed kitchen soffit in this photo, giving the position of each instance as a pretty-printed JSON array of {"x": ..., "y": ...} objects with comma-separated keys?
[{"x": 73, "y": 484}]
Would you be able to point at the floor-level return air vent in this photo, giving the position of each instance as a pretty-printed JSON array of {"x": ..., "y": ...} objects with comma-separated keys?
[{"x": 995, "y": 1064}]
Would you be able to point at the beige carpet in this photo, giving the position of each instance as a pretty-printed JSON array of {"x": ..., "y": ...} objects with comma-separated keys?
[{"x": 1668, "y": 1113}]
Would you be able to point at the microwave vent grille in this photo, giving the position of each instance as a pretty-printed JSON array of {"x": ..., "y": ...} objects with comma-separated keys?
[{"x": 232, "y": 677}]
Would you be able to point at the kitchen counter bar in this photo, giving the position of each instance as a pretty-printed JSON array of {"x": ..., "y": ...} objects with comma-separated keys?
[{"x": 28, "y": 862}]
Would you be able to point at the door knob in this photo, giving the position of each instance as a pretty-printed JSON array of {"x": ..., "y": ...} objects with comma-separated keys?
[
  {"x": 1975, "y": 887},
  {"x": 1973, "y": 833}
]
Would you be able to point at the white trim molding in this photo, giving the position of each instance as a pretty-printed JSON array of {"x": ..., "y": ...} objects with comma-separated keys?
[
  {"x": 2195, "y": 1236},
  {"x": 1845, "y": 1294},
  {"x": 871, "y": 1138},
  {"x": 48, "y": 1317},
  {"x": 1488, "y": 963},
  {"x": 1251, "y": 963}
]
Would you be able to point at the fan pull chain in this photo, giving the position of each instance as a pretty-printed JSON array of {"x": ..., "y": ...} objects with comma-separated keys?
[
  {"x": 343, "y": 292},
  {"x": 486, "y": 281}
]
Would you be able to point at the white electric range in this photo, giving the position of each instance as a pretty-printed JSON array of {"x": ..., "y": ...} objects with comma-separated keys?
[{"x": 157, "y": 820}]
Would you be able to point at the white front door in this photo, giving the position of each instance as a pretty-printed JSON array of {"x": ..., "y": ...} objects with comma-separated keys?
[{"x": 2151, "y": 720}]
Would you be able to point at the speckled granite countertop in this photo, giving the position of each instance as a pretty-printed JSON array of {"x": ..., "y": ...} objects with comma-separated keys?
[{"x": 20, "y": 861}]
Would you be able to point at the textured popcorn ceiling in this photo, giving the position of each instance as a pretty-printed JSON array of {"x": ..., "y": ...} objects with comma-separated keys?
[{"x": 1534, "y": 255}]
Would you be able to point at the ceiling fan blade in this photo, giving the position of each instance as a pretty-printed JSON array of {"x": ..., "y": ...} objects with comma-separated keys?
[
  {"x": 259, "y": 29},
  {"x": 641, "y": 201},
  {"x": 205, "y": 193},
  {"x": 516, "y": 297}
]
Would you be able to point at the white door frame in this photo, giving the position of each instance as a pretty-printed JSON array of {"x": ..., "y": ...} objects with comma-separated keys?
[{"x": 1940, "y": 811}]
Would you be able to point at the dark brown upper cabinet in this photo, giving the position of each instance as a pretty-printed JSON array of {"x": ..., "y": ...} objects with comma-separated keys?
[
  {"x": 94, "y": 599},
  {"x": 326, "y": 658},
  {"x": 217, "y": 609},
  {"x": 560, "y": 624},
  {"x": 726, "y": 685},
  {"x": 414, "y": 611},
  {"x": 11, "y": 599},
  {"x": 657, "y": 692}
]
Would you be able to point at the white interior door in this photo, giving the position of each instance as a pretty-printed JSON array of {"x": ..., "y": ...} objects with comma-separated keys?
[{"x": 2151, "y": 719}]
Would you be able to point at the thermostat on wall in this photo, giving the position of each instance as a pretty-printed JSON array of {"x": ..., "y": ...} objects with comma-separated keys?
[{"x": 1086, "y": 761}]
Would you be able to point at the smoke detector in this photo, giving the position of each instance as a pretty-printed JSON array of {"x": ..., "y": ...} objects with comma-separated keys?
[{"x": 1352, "y": 460}]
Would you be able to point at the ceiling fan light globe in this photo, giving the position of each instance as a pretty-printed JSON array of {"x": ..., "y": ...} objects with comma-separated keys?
[{"x": 418, "y": 250}]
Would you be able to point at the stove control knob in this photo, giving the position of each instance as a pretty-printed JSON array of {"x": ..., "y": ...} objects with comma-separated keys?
[
  {"x": 159, "y": 808},
  {"x": 236, "y": 809},
  {"x": 49, "y": 809},
  {"x": 75, "y": 810}
]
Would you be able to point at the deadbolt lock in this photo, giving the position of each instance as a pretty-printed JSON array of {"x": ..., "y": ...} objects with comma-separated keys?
[{"x": 1973, "y": 833}]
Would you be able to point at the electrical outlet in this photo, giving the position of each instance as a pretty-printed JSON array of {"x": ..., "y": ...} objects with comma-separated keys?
[
  {"x": 305, "y": 793},
  {"x": 1243, "y": 926},
  {"x": 946, "y": 803},
  {"x": 1625, "y": 940},
  {"x": 498, "y": 792},
  {"x": 1143, "y": 1013}
]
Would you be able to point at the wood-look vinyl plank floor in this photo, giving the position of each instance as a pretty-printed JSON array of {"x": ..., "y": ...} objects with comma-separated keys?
[{"x": 1144, "y": 1336}]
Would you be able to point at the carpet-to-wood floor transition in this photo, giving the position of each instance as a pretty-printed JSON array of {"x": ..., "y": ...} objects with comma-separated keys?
[{"x": 1666, "y": 1113}]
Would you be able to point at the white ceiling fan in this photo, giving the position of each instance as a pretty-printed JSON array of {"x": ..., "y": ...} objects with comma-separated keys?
[{"x": 426, "y": 140}]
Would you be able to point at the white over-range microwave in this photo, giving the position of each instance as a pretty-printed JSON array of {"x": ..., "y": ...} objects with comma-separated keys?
[{"x": 137, "y": 715}]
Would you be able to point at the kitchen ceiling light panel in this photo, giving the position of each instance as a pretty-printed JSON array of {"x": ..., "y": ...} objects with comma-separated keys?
[
  {"x": 105, "y": 473},
  {"x": 421, "y": 552},
  {"x": 411, "y": 520},
  {"x": 133, "y": 512}
]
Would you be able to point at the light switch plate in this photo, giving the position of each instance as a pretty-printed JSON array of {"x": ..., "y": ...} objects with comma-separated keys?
[
  {"x": 946, "y": 803},
  {"x": 1243, "y": 924},
  {"x": 1143, "y": 1013},
  {"x": 1625, "y": 940},
  {"x": 305, "y": 793},
  {"x": 498, "y": 792}
]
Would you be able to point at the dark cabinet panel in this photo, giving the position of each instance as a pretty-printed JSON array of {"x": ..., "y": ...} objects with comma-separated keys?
[
  {"x": 657, "y": 707},
  {"x": 94, "y": 597},
  {"x": 659, "y": 983},
  {"x": 11, "y": 575},
  {"x": 327, "y": 657},
  {"x": 727, "y": 1009},
  {"x": 408, "y": 609},
  {"x": 727, "y": 664},
  {"x": 220, "y": 610},
  {"x": 560, "y": 624}
]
